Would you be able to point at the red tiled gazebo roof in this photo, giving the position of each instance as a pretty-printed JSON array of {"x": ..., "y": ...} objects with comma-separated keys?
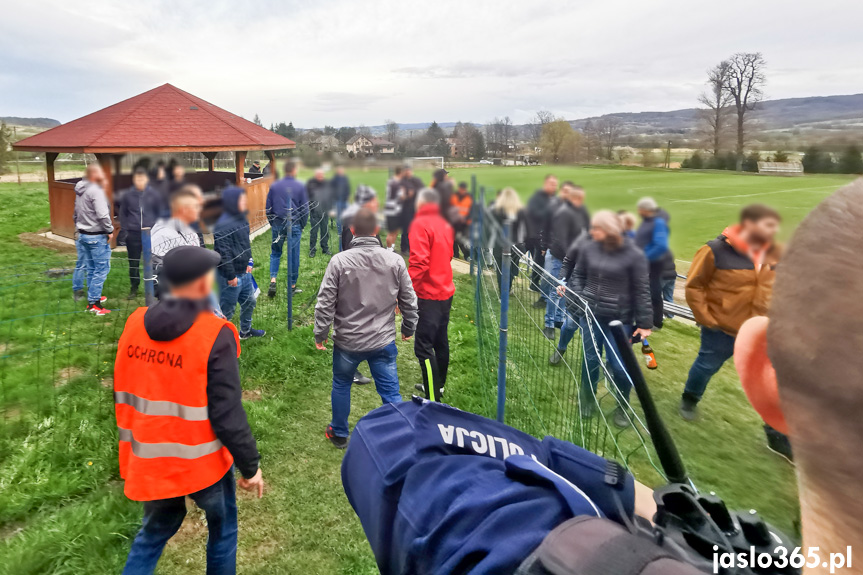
[{"x": 164, "y": 119}]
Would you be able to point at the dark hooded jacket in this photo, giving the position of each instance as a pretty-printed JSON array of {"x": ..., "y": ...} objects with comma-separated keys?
[
  {"x": 567, "y": 223},
  {"x": 169, "y": 319},
  {"x": 231, "y": 234},
  {"x": 138, "y": 209}
]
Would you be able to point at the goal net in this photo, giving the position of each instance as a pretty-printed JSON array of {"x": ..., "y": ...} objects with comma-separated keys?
[{"x": 427, "y": 162}]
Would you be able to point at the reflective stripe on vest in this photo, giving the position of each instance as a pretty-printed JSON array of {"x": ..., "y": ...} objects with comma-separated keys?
[
  {"x": 154, "y": 450},
  {"x": 151, "y": 407}
]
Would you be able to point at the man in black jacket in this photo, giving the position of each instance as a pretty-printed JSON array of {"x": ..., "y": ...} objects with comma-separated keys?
[
  {"x": 568, "y": 221},
  {"x": 411, "y": 186},
  {"x": 539, "y": 209},
  {"x": 139, "y": 206},
  {"x": 236, "y": 284},
  {"x": 154, "y": 470},
  {"x": 321, "y": 202}
]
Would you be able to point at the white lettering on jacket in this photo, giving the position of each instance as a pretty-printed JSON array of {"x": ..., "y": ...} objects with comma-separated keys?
[{"x": 479, "y": 443}]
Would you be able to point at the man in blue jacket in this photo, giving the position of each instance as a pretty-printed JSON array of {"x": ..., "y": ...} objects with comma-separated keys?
[
  {"x": 233, "y": 244},
  {"x": 652, "y": 238},
  {"x": 287, "y": 200}
]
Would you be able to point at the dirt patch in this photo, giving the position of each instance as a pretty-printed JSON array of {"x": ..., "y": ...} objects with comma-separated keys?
[
  {"x": 194, "y": 527},
  {"x": 11, "y": 530},
  {"x": 37, "y": 241},
  {"x": 66, "y": 375},
  {"x": 108, "y": 383},
  {"x": 252, "y": 395}
]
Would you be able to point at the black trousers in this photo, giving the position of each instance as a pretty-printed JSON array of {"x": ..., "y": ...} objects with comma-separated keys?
[
  {"x": 460, "y": 241},
  {"x": 534, "y": 248},
  {"x": 431, "y": 344},
  {"x": 320, "y": 224},
  {"x": 656, "y": 270},
  {"x": 134, "y": 248},
  {"x": 407, "y": 219}
]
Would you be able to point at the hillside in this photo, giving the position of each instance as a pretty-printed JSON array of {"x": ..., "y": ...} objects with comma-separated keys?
[{"x": 42, "y": 123}]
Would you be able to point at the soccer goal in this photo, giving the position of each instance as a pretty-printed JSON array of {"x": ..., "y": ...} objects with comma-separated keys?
[{"x": 427, "y": 162}]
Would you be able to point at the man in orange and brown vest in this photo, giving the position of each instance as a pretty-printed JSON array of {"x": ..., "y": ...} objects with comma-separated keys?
[
  {"x": 462, "y": 203},
  {"x": 180, "y": 415}
]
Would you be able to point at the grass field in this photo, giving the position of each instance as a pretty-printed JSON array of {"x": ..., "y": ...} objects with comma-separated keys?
[{"x": 61, "y": 505}]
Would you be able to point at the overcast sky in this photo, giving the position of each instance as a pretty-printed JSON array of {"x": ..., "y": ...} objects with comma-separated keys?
[{"x": 345, "y": 62}]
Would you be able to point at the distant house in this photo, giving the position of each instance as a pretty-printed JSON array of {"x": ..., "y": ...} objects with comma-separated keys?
[
  {"x": 369, "y": 145},
  {"x": 455, "y": 149},
  {"x": 325, "y": 143}
]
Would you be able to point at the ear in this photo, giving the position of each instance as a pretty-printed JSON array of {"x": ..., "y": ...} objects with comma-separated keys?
[{"x": 757, "y": 374}]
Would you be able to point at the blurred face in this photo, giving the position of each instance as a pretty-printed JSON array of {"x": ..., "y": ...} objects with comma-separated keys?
[
  {"x": 179, "y": 172},
  {"x": 550, "y": 185},
  {"x": 598, "y": 234},
  {"x": 188, "y": 211},
  {"x": 372, "y": 205},
  {"x": 462, "y": 191},
  {"x": 340, "y": 171},
  {"x": 319, "y": 175},
  {"x": 160, "y": 173},
  {"x": 140, "y": 181},
  {"x": 644, "y": 213},
  {"x": 95, "y": 174},
  {"x": 763, "y": 230},
  {"x": 243, "y": 203}
]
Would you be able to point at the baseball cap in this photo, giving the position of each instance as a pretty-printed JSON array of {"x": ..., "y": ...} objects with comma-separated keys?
[
  {"x": 365, "y": 194},
  {"x": 440, "y": 173}
]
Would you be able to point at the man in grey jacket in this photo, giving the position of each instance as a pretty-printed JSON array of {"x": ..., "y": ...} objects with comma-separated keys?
[
  {"x": 358, "y": 296},
  {"x": 95, "y": 230}
]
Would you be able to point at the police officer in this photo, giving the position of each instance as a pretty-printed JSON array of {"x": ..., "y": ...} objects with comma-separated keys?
[{"x": 180, "y": 415}]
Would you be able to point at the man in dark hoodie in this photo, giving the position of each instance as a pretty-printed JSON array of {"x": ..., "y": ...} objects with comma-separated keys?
[
  {"x": 539, "y": 210},
  {"x": 321, "y": 202},
  {"x": 179, "y": 409},
  {"x": 139, "y": 207},
  {"x": 94, "y": 229},
  {"x": 236, "y": 285}
]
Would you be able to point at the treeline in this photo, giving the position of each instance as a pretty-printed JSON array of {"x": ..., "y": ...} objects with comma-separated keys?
[{"x": 815, "y": 161}]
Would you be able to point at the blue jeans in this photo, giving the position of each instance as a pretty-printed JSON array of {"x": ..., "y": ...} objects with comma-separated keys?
[
  {"x": 382, "y": 363},
  {"x": 668, "y": 292},
  {"x": 594, "y": 342},
  {"x": 716, "y": 348},
  {"x": 94, "y": 263},
  {"x": 553, "y": 307},
  {"x": 244, "y": 294},
  {"x": 567, "y": 332},
  {"x": 294, "y": 253},
  {"x": 279, "y": 229},
  {"x": 163, "y": 517}
]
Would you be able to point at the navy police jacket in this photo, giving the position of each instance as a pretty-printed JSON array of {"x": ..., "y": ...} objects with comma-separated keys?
[{"x": 440, "y": 490}]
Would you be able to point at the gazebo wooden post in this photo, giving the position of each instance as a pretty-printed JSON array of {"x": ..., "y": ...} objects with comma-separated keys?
[
  {"x": 240, "y": 164},
  {"x": 211, "y": 160},
  {"x": 271, "y": 154},
  {"x": 49, "y": 164}
]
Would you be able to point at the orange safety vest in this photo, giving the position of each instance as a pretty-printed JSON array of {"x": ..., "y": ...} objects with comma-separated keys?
[
  {"x": 167, "y": 446},
  {"x": 463, "y": 204}
]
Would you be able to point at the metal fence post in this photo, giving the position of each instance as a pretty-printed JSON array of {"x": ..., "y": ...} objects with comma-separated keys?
[
  {"x": 474, "y": 240},
  {"x": 479, "y": 264},
  {"x": 504, "y": 320},
  {"x": 147, "y": 253},
  {"x": 289, "y": 231}
]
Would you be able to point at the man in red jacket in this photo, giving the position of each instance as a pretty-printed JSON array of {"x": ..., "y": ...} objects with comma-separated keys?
[{"x": 431, "y": 240}]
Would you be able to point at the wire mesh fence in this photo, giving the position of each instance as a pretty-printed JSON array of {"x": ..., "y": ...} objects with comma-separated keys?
[{"x": 540, "y": 384}]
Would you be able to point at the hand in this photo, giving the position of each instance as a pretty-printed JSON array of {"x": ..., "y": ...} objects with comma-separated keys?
[
  {"x": 233, "y": 282},
  {"x": 248, "y": 269},
  {"x": 561, "y": 291},
  {"x": 256, "y": 482},
  {"x": 398, "y": 311},
  {"x": 406, "y": 337},
  {"x": 644, "y": 333},
  {"x": 321, "y": 346}
]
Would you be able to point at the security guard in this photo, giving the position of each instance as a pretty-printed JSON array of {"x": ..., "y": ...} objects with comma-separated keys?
[{"x": 180, "y": 415}]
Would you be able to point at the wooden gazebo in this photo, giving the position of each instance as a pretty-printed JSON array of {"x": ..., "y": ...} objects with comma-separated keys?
[{"x": 163, "y": 120}]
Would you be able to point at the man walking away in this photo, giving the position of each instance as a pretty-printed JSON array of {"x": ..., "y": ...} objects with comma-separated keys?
[
  {"x": 93, "y": 224},
  {"x": 139, "y": 208},
  {"x": 539, "y": 210},
  {"x": 652, "y": 238},
  {"x": 342, "y": 195},
  {"x": 232, "y": 242},
  {"x": 321, "y": 202},
  {"x": 569, "y": 221},
  {"x": 358, "y": 296},
  {"x": 461, "y": 205},
  {"x": 286, "y": 197},
  {"x": 730, "y": 280},
  {"x": 393, "y": 207},
  {"x": 411, "y": 185},
  {"x": 431, "y": 239},
  {"x": 180, "y": 415}
]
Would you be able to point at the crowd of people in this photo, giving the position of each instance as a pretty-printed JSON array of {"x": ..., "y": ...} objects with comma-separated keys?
[{"x": 606, "y": 263}]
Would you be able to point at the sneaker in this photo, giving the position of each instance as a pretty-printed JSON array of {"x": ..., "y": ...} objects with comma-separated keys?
[
  {"x": 103, "y": 299},
  {"x": 97, "y": 309},
  {"x": 339, "y": 442},
  {"x": 620, "y": 419},
  {"x": 327, "y": 252},
  {"x": 556, "y": 357},
  {"x": 420, "y": 388},
  {"x": 297, "y": 290},
  {"x": 588, "y": 408},
  {"x": 253, "y": 333},
  {"x": 778, "y": 443},
  {"x": 272, "y": 291},
  {"x": 78, "y": 295},
  {"x": 558, "y": 324},
  {"x": 311, "y": 253},
  {"x": 132, "y": 294},
  {"x": 549, "y": 333},
  {"x": 360, "y": 379},
  {"x": 688, "y": 408},
  {"x": 540, "y": 303}
]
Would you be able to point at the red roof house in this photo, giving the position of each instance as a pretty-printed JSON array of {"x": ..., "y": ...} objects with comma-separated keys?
[{"x": 162, "y": 120}]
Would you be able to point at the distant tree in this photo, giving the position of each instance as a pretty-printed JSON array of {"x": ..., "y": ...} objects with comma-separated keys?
[
  {"x": 557, "y": 141},
  {"x": 716, "y": 100},
  {"x": 780, "y": 156},
  {"x": 436, "y": 139},
  {"x": 5, "y": 142},
  {"x": 329, "y": 130},
  {"x": 476, "y": 143},
  {"x": 817, "y": 161},
  {"x": 850, "y": 162},
  {"x": 750, "y": 163},
  {"x": 392, "y": 130},
  {"x": 345, "y": 133},
  {"x": 609, "y": 129},
  {"x": 648, "y": 157},
  {"x": 694, "y": 162},
  {"x": 435, "y": 133},
  {"x": 507, "y": 134},
  {"x": 534, "y": 128},
  {"x": 592, "y": 142},
  {"x": 364, "y": 130},
  {"x": 257, "y": 121},
  {"x": 745, "y": 83}
]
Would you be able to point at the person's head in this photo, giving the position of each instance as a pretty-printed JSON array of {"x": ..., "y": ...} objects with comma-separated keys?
[
  {"x": 189, "y": 272},
  {"x": 550, "y": 184},
  {"x": 365, "y": 224},
  {"x": 140, "y": 179},
  {"x": 759, "y": 224},
  {"x": 397, "y": 172},
  {"x": 606, "y": 228},
  {"x": 95, "y": 174},
  {"x": 340, "y": 170},
  {"x": 508, "y": 201},
  {"x": 290, "y": 169},
  {"x": 574, "y": 194},
  {"x": 186, "y": 204},
  {"x": 234, "y": 200},
  {"x": 627, "y": 220},
  {"x": 367, "y": 197},
  {"x": 159, "y": 173},
  {"x": 178, "y": 172},
  {"x": 439, "y": 175},
  {"x": 319, "y": 175},
  {"x": 647, "y": 207},
  {"x": 462, "y": 188},
  {"x": 801, "y": 368},
  {"x": 427, "y": 196},
  {"x": 407, "y": 170},
  {"x": 256, "y": 163}
]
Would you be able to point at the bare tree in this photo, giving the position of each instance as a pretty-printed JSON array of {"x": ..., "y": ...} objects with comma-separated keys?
[
  {"x": 716, "y": 100},
  {"x": 591, "y": 140},
  {"x": 392, "y": 130},
  {"x": 534, "y": 128},
  {"x": 507, "y": 134},
  {"x": 364, "y": 130},
  {"x": 609, "y": 129},
  {"x": 745, "y": 84}
]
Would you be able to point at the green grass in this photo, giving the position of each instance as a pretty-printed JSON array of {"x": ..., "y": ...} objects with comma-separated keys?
[{"x": 61, "y": 505}]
